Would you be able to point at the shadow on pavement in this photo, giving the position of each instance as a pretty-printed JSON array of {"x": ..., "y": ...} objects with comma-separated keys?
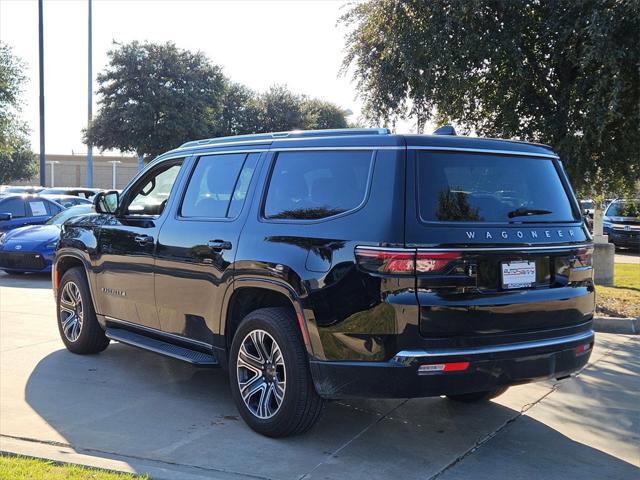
[{"x": 137, "y": 404}]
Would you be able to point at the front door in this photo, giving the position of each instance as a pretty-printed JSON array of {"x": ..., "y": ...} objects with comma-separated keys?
[
  {"x": 197, "y": 245},
  {"x": 126, "y": 245}
]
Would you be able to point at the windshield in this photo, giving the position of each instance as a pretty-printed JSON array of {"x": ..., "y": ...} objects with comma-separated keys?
[
  {"x": 629, "y": 208},
  {"x": 587, "y": 204},
  {"x": 461, "y": 187},
  {"x": 65, "y": 215}
]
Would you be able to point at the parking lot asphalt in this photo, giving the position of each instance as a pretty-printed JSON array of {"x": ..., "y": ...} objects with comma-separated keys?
[
  {"x": 626, "y": 256},
  {"x": 130, "y": 410}
]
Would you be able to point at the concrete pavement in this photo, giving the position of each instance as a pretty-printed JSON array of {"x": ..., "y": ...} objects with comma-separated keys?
[
  {"x": 625, "y": 256},
  {"x": 131, "y": 410}
]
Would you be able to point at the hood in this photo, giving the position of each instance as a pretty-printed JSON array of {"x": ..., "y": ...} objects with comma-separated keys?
[{"x": 31, "y": 235}]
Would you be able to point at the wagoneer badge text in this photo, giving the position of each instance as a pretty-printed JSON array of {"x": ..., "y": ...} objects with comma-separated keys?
[
  {"x": 111, "y": 291},
  {"x": 521, "y": 235}
]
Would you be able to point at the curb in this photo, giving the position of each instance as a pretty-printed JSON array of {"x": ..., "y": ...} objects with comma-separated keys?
[{"x": 628, "y": 326}]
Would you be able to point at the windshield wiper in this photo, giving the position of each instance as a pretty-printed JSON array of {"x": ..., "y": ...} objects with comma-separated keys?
[{"x": 525, "y": 212}]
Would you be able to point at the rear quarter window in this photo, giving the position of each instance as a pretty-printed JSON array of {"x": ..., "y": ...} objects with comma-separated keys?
[
  {"x": 317, "y": 184},
  {"x": 455, "y": 187}
]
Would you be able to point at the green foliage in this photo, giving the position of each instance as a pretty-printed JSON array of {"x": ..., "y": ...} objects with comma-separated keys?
[
  {"x": 17, "y": 161},
  {"x": 153, "y": 97},
  {"x": 321, "y": 114},
  {"x": 276, "y": 110},
  {"x": 561, "y": 73}
]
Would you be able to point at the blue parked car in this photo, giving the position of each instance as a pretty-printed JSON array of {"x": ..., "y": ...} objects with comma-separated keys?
[
  {"x": 20, "y": 210},
  {"x": 32, "y": 248},
  {"x": 621, "y": 223}
]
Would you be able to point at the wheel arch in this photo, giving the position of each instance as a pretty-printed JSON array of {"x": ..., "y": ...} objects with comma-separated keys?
[
  {"x": 65, "y": 261},
  {"x": 249, "y": 294}
]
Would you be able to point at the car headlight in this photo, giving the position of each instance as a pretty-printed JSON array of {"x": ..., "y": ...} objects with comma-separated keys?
[{"x": 52, "y": 245}]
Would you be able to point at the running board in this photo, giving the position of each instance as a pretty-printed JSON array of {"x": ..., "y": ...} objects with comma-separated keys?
[{"x": 164, "y": 348}]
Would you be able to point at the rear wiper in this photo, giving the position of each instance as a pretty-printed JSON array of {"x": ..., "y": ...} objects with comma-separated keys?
[{"x": 525, "y": 212}]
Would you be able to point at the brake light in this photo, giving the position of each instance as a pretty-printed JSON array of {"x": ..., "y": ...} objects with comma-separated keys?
[
  {"x": 404, "y": 261},
  {"x": 398, "y": 261},
  {"x": 433, "y": 262}
]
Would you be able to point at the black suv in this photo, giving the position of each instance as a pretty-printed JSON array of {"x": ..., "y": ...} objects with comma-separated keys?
[{"x": 328, "y": 264}]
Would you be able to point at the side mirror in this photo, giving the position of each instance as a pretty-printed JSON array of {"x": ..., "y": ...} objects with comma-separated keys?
[
  {"x": 106, "y": 202},
  {"x": 5, "y": 216}
]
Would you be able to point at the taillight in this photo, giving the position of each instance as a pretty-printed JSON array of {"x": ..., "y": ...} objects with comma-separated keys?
[
  {"x": 435, "y": 262},
  {"x": 404, "y": 261},
  {"x": 398, "y": 261}
]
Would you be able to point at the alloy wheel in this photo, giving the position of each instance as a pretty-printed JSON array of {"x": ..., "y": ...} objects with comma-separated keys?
[
  {"x": 261, "y": 374},
  {"x": 71, "y": 311}
]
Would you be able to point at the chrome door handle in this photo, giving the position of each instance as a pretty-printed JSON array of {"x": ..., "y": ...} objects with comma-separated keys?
[
  {"x": 219, "y": 245},
  {"x": 143, "y": 239}
]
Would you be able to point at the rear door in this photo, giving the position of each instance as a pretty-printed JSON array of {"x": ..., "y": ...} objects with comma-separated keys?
[
  {"x": 198, "y": 242},
  {"x": 501, "y": 249}
]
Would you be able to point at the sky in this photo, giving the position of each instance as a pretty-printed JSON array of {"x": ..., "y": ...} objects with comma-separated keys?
[{"x": 258, "y": 43}]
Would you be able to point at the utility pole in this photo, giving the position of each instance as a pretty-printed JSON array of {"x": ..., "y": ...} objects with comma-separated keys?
[
  {"x": 90, "y": 104},
  {"x": 41, "y": 63}
]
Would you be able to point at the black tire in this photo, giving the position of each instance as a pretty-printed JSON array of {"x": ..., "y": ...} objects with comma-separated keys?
[
  {"x": 91, "y": 338},
  {"x": 300, "y": 406},
  {"x": 474, "y": 397}
]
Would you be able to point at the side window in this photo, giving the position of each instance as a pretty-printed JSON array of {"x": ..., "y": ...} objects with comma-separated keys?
[
  {"x": 53, "y": 208},
  {"x": 313, "y": 185},
  {"x": 37, "y": 208},
  {"x": 218, "y": 185},
  {"x": 150, "y": 196},
  {"x": 242, "y": 185},
  {"x": 14, "y": 206}
]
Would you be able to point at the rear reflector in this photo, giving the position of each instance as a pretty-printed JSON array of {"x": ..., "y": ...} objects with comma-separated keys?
[
  {"x": 404, "y": 261},
  {"x": 442, "y": 367},
  {"x": 584, "y": 348}
]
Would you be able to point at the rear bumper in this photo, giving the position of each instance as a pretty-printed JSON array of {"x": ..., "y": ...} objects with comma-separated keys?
[{"x": 489, "y": 368}]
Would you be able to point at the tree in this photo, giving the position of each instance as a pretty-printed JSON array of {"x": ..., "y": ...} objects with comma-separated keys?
[
  {"x": 321, "y": 114},
  {"x": 561, "y": 73},
  {"x": 278, "y": 109},
  {"x": 153, "y": 97},
  {"x": 237, "y": 112},
  {"x": 17, "y": 161}
]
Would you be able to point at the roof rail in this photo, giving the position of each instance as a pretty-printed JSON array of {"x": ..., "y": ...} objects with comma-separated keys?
[{"x": 291, "y": 134}]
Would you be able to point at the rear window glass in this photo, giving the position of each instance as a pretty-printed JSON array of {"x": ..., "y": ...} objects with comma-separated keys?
[
  {"x": 313, "y": 185},
  {"x": 456, "y": 187}
]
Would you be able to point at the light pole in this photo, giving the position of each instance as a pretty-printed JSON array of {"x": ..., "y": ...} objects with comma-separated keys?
[
  {"x": 90, "y": 101},
  {"x": 53, "y": 171},
  {"x": 114, "y": 164},
  {"x": 41, "y": 64}
]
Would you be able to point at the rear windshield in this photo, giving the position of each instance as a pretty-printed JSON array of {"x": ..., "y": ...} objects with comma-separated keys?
[{"x": 457, "y": 187}]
